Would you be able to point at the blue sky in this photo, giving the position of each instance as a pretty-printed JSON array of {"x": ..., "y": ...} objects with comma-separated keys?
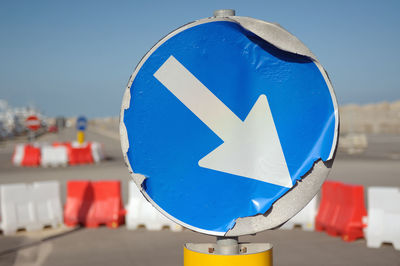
[{"x": 75, "y": 57}]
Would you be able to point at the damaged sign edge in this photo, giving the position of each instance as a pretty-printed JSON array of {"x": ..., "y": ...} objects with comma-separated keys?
[
  {"x": 283, "y": 209},
  {"x": 304, "y": 190},
  {"x": 285, "y": 41}
]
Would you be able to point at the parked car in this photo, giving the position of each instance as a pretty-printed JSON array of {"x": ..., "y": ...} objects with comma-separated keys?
[{"x": 52, "y": 129}]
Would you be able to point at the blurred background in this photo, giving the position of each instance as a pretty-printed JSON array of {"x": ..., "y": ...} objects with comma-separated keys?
[{"x": 63, "y": 59}]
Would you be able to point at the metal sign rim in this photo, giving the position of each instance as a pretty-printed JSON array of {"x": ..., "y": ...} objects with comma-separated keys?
[{"x": 295, "y": 208}]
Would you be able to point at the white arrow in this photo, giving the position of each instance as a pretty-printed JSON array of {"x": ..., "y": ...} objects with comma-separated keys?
[{"x": 251, "y": 147}]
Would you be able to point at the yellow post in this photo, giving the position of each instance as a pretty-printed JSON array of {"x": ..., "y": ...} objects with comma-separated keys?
[
  {"x": 81, "y": 137},
  {"x": 259, "y": 254}
]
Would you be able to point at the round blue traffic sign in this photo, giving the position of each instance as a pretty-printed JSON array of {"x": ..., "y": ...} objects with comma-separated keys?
[
  {"x": 218, "y": 124},
  {"x": 81, "y": 123}
]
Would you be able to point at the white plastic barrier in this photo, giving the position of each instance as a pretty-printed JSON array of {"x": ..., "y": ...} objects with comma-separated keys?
[
  {"x": 18, "y": 155},
  {"x": 305, "y": 218},
  {"x": 141, "y": 213},
  {"x": 29, "y": 207},
  {"x": 54, "y": 156},
  {"x": 97, "y": 152},
  {"x": 383, "y": 217}
]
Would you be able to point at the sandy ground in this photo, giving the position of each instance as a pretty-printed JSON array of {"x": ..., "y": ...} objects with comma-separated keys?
[{"x": 103, "y": 246}]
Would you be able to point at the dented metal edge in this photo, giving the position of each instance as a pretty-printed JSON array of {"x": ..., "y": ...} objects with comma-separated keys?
[
  {"x": 137, "y": 178},
  {"x": 258, "y": 221},
  {"x": 284, "y": 40},
  {"x": 274, "y": 34},
  {"x": 280, "y": 38},
  {"x": 283, "y": 209}
]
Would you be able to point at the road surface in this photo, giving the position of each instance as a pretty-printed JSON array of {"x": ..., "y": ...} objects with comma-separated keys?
[{"x": 104, "y": 246}]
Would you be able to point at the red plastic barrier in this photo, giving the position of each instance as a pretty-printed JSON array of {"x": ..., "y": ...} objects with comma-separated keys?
[
  {"x": 77, "y": 155},
  {"x": 341, "y": 210},
  {"x": 80, "y": 155},
  {"x": 327, "y": 206},
  {"x": 107, "y": 207},
  {"x": 31, "y": 156},
  {"x": 79, "y": 201},
  {"x": 94, "y": 203}
]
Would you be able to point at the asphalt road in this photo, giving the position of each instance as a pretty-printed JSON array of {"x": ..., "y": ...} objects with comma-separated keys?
[{"x": 103, "y": 246}]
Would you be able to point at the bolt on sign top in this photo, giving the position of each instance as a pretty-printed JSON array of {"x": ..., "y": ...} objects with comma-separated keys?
[{"x": 229, "y": 125}]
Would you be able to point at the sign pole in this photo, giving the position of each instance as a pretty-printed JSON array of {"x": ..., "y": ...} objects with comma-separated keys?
[
  {"x": 81, "y": 124},
  {"x": 31, "y": 136},
  {"x": 80, "y": 136},
  {"x": 227, "y": 251},
  {"x": 32, "y": 122},
  {"x": 227, "y": 245}
]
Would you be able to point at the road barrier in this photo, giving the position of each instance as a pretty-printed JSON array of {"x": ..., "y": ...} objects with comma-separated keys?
[
  {"x": 80, "y": 154},
  {"x": 107, "y": 207},
  {"x": 94, "y": 203},
  {"x": 305, "y": 218},
  {"x": 97, "y": 152},
  {"x": 29, "y": 207},
  {"x": 141, "y": 213},
  {"x": 54, "y": 156},
  {"x": 85, "y": 153},
  {"x": 341, "y": 210},
  {"x": 79, "y": 200},
  {"x": 26, "y": 155},
  {"x": 18, "y": 154},
  {"x": 31, "y": 156},
  {"x": 327, "y": 205},
  {"x": 57, "y": 154},
  {"x": 383, "y": 217}
]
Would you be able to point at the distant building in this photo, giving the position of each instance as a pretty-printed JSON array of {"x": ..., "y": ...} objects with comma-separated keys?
[{"x": 12, "y": 120}]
